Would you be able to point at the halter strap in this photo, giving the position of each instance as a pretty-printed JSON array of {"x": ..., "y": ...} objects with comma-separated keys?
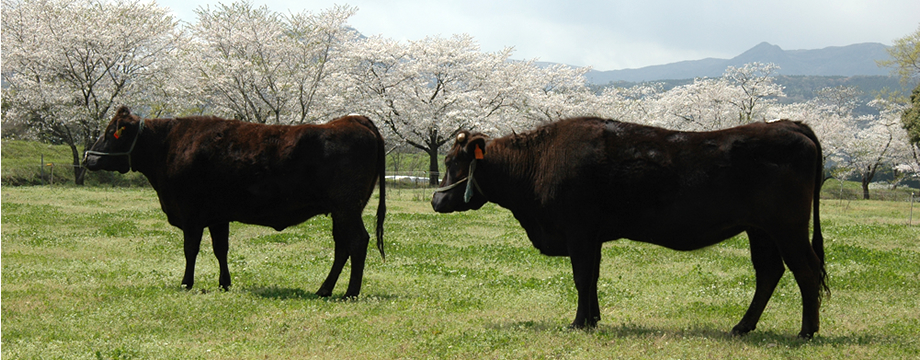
[
  {"x": 140, "y": 129},
  {"x": 470, "y": 183}
]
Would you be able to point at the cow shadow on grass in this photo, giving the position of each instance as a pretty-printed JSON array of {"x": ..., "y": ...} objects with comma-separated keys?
[
  {"x": 283, "y": 293},
  {"x": 757, "y": 338}
]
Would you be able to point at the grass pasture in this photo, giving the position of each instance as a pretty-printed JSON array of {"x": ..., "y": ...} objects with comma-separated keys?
[{"x": 94, "y": 273}]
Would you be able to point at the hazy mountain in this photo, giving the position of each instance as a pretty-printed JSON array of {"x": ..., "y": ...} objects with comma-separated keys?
[{"x": 852, "y": 60}]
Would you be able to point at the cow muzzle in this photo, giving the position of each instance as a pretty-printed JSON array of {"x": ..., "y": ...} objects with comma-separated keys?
[{"x": 442, "y": 198}]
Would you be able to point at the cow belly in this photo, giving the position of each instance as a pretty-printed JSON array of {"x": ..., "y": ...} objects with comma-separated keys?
[
  {"x": 226, "y": 204},
  {"x": 280, "y": 220},
  {"x": 688, "y": 239},
  {"x": 690, "y": 229}
]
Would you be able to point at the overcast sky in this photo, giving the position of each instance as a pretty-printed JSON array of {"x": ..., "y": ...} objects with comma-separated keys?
[{"x": 612, "y": 35}]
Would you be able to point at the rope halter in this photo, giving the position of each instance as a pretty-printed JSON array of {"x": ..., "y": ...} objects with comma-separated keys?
[
  {"x": 140, "y": 129},
  {"x": 470, "y": 183}
]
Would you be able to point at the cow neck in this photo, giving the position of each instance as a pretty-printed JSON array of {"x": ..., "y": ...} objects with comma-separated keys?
[{"x": 152, "y": 155}]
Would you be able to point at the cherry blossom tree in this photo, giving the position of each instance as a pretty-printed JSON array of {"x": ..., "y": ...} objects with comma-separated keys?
[
  {"x": 69, "y": 62},
  {"x": 757, "y": 89},
  {"x": 258, "y": 65},
  {"x": 426, "y": 91},
  {"x": 830, "y": 114},
  {"x": 555, "y": 92},
  {"x": 639, "y": 104},
  {"x": 705, "y": 104},
  {"x": 874, "y": 141},
  {"x": 742, "y": 95}
]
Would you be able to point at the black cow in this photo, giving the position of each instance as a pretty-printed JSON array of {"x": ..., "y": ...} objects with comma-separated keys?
[
  {"x": 209, "y": 171},
  {"x": 577, "y": 183}
]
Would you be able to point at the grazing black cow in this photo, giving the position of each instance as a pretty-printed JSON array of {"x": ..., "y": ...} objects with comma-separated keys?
[
  {"x": 577, "y": 183},
  {"x": 208, "y": 172}
]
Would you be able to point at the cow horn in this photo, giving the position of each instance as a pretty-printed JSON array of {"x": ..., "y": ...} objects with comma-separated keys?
[{"x": 461, "y": 138}]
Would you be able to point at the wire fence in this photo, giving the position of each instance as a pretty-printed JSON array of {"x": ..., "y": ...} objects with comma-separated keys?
[
  {"x": 405, "y": 169},
  {"x": 51, "y": 173},
  {"x": 405, "y": 173}
]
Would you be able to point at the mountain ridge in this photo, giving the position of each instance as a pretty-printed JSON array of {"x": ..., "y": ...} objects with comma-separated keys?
[{"x": 850, "y": 60}]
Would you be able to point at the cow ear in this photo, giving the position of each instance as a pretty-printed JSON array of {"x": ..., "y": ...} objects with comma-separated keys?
[
  {"x": 476, "y": 147},
  {"x": 123, "y": 111}
]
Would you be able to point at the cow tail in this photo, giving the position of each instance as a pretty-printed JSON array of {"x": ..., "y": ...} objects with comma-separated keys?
[
  {"x": 381, "y": 182},
  {"x": 817, "y": 242}
]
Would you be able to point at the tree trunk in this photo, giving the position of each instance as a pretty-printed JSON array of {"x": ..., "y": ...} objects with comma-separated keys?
[
  {"x": 433, "y": 174},
  {"x": 78, "y": 171}
]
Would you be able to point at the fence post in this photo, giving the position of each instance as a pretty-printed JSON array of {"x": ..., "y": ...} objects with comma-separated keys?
[
  {"x": 910, "y": 218},
  {"x": 41, "y": 167}
]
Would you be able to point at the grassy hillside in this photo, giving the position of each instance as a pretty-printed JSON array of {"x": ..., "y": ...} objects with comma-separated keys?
[
  {"x": 21, "y": 162},
  {"x": 22, "y": 165}
]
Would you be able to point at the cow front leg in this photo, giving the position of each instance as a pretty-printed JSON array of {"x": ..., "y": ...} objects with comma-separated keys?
[
  {"x": 192, "y": 244},
  {"x": 768, "y": 269},
  {"x": 586, "y": 263},
  {"x": 220, "y": 240}
]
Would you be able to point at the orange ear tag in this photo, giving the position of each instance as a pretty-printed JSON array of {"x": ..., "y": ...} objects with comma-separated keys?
[
  {"x": 477, "y": 153},
  {"x": 118, "y": 132}
]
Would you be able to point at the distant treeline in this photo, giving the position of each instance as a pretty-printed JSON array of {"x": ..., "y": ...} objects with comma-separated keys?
[{"x": 802, "y": 88}]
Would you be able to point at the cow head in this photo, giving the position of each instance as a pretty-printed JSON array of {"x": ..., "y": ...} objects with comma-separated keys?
[
  {"x": 113, "y": 150},
  {"x": 459, "y": 189}
]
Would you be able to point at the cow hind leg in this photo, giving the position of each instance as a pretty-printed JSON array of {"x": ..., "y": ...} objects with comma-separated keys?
[
  {"x": 192, "y": 244},
  {"x": 220, "y": 239},
  {"x": 586, "y": 261},
  {"x": 351, "y": 240},
  {"x": 339, "y": 258},
  {"x": 357, "y": 239},
  {"x": 804, "y": 264},
  {"x": 768, "y": 269}
]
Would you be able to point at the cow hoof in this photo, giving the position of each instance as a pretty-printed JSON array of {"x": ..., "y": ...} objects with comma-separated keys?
[
  {"x": 806, "y": 336},
  {"x": 582, "y": 326},
  {"x": 186, "y": 287},
  {"x": 225, "y": 288},
  {"x": 324, "y": 293},
  {"x": 741, "y": 331}
]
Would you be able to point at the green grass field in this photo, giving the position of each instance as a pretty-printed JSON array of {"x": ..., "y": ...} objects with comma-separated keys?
[{"x": 94, "y": 273}]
